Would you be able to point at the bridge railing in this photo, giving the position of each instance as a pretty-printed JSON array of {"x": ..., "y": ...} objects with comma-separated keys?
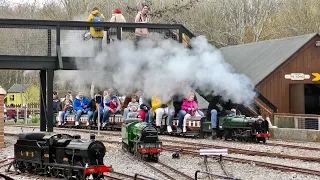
[
  {"x": 25, "y": 37},
  {"x": 297, "y": 121}
]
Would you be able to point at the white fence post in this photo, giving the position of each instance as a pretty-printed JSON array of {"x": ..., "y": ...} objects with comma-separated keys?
[{"x": 296, "y": 122}]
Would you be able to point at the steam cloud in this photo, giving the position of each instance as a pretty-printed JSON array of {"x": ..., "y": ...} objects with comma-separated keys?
[{"x": 158, "y": 66}]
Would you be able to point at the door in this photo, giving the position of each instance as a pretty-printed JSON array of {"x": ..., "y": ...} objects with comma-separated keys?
[{"x": 296, "y": 98}]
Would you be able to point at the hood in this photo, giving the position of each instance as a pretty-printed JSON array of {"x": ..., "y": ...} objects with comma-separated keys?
[
  {"x": 117, "y": 11},
  {"x": 95, "y": 12},
  {"x": 77, "y": 97}
]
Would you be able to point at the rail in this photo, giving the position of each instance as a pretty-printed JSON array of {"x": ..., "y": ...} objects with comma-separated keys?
[{"x": 209, "y": 173}]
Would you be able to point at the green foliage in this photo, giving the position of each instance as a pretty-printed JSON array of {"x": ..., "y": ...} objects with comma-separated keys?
[{"x": 35, "y": 119}]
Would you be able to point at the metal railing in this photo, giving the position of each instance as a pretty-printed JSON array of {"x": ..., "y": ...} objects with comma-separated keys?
[{"x": 296, "y": 121}]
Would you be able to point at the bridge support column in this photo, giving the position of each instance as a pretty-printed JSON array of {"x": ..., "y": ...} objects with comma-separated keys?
[
  {"x": 2, "y": 94},
  {"x": 43, "y": 109},
  {"x": 50, "y": 74}
]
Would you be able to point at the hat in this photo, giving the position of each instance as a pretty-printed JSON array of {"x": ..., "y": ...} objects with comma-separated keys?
[
  {"x": 113, "y": 97},
  {"x": 117, "y": 11}
]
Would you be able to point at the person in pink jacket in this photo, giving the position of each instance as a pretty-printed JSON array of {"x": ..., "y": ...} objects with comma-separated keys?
[{"x": 191, "y": 107}]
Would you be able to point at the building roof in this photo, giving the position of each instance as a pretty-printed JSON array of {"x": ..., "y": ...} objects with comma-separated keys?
[
  {"x": 202, "y": 103},
  {"x": 258, "y": 60},
  {"x": 18, "y": 88}
]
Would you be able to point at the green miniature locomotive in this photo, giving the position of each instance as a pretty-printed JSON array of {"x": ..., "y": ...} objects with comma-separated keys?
[{"x": 141, "y": 139}]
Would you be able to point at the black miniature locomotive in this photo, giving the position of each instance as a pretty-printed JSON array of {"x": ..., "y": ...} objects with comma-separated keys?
[{"x": 60, "y": 155}]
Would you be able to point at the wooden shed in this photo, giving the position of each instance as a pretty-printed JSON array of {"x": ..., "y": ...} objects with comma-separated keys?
[{"x": 283, "y": 70}]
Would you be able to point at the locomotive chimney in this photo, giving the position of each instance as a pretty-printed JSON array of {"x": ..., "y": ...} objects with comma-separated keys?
[{"x": 92, "y": 137}]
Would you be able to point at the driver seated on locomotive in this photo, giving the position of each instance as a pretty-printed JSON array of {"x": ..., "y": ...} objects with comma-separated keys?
[
  {"x": 190, "y": 106},
  {"x": 218, "y": 107}
]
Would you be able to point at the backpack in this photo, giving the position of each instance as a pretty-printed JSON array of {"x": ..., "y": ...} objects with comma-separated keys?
[{"x": 98, "y": 18}]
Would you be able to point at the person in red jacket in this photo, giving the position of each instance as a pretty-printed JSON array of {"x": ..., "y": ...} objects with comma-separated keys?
[{"x": 114, "y": 106}]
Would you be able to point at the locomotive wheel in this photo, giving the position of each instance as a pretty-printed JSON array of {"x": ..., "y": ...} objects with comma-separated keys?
[
  {"x": 54, "y": 172},
  {"x": 80, "y": 174},
  {"x": 67, "y": 173},
  {"x": 30, "y": 168},
  {"x": 21, "y": 167},
  {"x": 264, "y": 140}
]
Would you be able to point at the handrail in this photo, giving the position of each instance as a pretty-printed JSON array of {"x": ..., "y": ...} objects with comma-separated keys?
[
  {"x": 297, "y": 115},
  {"x": 51, "y": 23}
]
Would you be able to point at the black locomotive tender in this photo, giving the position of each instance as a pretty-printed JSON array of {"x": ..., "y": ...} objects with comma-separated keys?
[{"x": 60, "y": 155}]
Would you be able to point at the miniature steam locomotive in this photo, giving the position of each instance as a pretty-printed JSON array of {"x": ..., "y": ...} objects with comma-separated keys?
[
  {"x": 141, "y": 139},
  {"x": 243, "y": 128},
  {"x": 60, "y": 155}
]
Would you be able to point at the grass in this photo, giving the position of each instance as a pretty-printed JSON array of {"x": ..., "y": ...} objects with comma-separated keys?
[{"x": 33, "y": 121}]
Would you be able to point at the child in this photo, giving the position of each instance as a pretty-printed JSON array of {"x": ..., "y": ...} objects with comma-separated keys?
[
  {"x": 144, "y": 113},
  {"x": 68, "y": 108},
  {"x": 191, "y": 107},
  {"x": 114, "y": 106},
  {"x": 133, "y": 107}
]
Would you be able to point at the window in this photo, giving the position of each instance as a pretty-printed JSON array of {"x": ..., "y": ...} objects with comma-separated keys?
[{"x": 11, "y": 97}]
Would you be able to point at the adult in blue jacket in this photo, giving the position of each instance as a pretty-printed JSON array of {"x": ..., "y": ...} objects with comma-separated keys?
[{"x": 80, "y": 106}]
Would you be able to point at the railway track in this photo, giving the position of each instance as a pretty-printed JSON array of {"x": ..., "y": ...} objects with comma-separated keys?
[
  {"x": 246, "y": 161},
  {"x": 116, "y": 133},
  {"x": 198, "y": 146},
  {"x": 15, "y": 174},
  {"x": 241, "y": 151},
  {"x": 118, "y": 176},
  {"x": 168, "y": 171},
  {"x": 160, "y": 167},
  {"x": 293, "y": 146}
]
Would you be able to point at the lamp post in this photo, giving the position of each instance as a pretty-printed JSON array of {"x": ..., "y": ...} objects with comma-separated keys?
[{"x": 98, "y": 99}]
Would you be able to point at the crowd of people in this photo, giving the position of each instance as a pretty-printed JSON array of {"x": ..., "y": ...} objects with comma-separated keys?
[
  {"x": 97, "y": 33},
  {"x": 137, "y": 105}
]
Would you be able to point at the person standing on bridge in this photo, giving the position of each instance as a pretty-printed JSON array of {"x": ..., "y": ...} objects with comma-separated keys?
[
  {"x": 116, "y": 17},
  {"x": 97, "y": 33},
  {"x": 142, "y": 17}
]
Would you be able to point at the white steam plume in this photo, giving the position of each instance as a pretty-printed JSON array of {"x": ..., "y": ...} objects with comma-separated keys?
[{"x": 158, "y": 66}]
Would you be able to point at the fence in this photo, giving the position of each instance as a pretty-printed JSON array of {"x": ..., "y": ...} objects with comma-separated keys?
[
  {"x": 297, "y": 121},
  {"x": 20, "y": 112}
]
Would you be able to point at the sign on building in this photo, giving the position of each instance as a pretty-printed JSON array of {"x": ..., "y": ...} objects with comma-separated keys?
[
  {"x": 316, "y": 77},
  {"x": 297, "y": 76}
]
